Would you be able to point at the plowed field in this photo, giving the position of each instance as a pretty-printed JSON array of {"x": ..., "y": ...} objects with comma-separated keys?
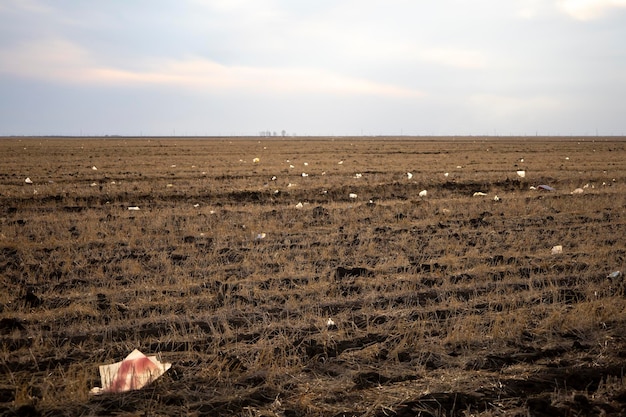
[{"x": 314, "y": 277}]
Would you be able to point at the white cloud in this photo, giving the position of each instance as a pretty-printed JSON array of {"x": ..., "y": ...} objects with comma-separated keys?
[
  {"x": 589, "y": 9},
  {"x": 62, "y": 61},
  {"x": 454, "y": 57}
]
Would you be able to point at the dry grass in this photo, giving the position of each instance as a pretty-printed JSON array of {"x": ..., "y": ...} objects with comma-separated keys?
[{"x": 444, "y": 305}]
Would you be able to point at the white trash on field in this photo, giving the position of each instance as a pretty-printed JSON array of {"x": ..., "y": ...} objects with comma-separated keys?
[
  {"x": 134, "y": 372},
  {"x": 423, "y": 193},
  {"x": 556, "y": 250}
]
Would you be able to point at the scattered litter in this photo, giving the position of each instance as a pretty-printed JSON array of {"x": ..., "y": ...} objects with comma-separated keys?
[
  {"x": 94, "y": 168},
  {"x": 423, "y": 193},
  {"x": 521, "y": 173},
  {"x": 545, "y": 187},
  {"x": 28, "y": 181},
  {"x": 256, "y": 160},
  {"x": 496, "y": 198},
  {"x": 567, "y": 158},
  {"x": 306, "y": 164},
  {"x": 331, "y": 325},
  {"x": 409, "y": 175},
  {"x": 478, "y": 194},
  {"x": 578, "y": 191},
  {"x": 614, "y": 275},
  {"x": 291, "y": 166},
  {"x": 260, "y": 236},
  {"x": 557, "y": 250},
  {"x": 299, "y": 205},
  {"x": 290, "y": 185},
  {"x": 133, "y": 373},
  {"x": 169, "y": 185},
  {"x": 274, "y": 178},
  {"x": 133, "y": 208},
  {"x": 358, "y": 175},
  {"x": 586, "y": 186},
  {"x": 304, "y": 174},
  {"x": 521, "y": 159},
  {"x": 196, "y": 205},
  {"x": 353, "y": 195},
  {"x": 340, "y": 163},
  {"x": 173, "y": 166},
  {"x": 446, "y": 174},
  {"x": 459, "y": 166},
  {"x": 93, "y": 184},
  {"x": 532, "y": 187}
]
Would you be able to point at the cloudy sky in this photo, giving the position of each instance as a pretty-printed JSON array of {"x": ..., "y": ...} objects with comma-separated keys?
[{"x": 313, "y": 67}]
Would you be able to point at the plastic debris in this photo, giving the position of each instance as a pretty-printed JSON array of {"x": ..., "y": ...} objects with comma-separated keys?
[
  {"x": 556, "y": 250},
  {"x": 478, "y": 194},
  {"x": 545, "y": 187},
  {"x": 423, "y": 193},
  {"x": 133, "y": 208},
  {"x": 496, "y": 198},
  {"x": 353, "y": 195},
  {"x": 358, "y": 175},
  {"x": 409, "y": 175},
  {"x": 614, "y": 275},
  {"x": 521, "y": 173},
  {"x": 340, "y": 163},
  {"x": 28, "y": 181},
  {"x": 260, "y": 236},
  {"x": 446, "y": 174},
  {"x": 304, "y": 174},
  {"x": 94, "y": 168},
  {"x": 134, "y": 372},
  {"x": 256, "y": 160},
  {"x": 330, "y": 324},
  {"x": 578, "y": 191}
]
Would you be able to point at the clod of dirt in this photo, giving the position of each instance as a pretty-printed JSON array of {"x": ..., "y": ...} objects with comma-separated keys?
[
  {"x": 369, "y": 379},
  {"x": 8, "y": 324},
  {"x": 31, "y": 299},
  {"x": 342, "y": 272}
]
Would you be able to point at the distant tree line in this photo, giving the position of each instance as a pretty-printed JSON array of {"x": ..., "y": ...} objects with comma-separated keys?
[{"x": 266, "y": 133}]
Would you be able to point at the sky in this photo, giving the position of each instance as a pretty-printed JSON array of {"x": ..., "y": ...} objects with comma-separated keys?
[{"x": 314, "y": 67}]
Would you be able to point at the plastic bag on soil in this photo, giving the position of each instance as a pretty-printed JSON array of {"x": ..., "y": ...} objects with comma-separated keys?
[{"x": 134, "y": 372}]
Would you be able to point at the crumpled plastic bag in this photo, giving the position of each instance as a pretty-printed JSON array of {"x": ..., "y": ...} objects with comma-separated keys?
[{"x": 134, "y": 372}]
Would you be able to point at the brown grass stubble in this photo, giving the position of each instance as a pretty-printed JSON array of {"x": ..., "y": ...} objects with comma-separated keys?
[{"x": 459, "y": 305}]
